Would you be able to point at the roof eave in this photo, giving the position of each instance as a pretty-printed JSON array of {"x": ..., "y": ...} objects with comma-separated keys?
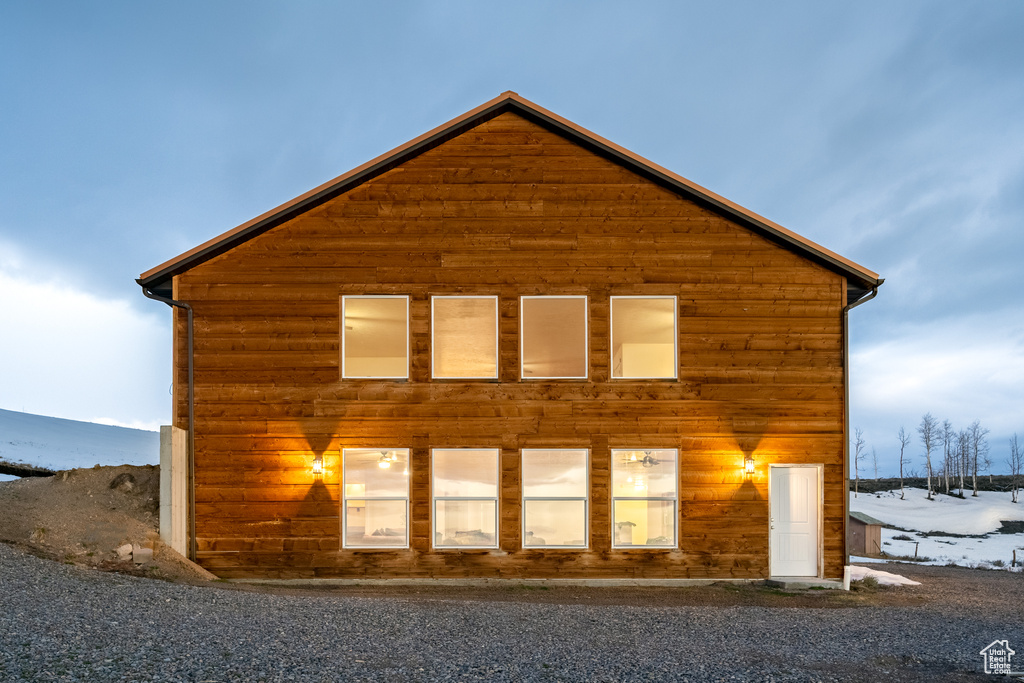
[
  {"x": 692, "y": 190},
  {"x": 861, "y": 279},
  {"x": 320, "y": 194}
]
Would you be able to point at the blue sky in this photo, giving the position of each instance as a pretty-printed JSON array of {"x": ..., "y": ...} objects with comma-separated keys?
[{"x": 891, "y": 133}]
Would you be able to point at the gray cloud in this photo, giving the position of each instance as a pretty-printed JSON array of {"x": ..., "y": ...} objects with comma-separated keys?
[{"x": 889, "y": 132}]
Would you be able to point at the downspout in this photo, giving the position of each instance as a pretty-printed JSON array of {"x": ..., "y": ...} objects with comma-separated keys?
[
  {"x": 191, "y": 423},
  {"x": 846, "y": 418}
]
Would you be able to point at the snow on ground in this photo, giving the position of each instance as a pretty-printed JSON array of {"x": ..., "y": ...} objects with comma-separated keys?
[
  {"x": 883, "y": 578},
  {"x": 952, "y": 515},
  {"x": 946, "y": 530},
  {"x": 59, "y": 444}
]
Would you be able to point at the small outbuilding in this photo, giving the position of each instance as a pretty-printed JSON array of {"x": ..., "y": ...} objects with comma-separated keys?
[{"x": 865, "y": 535}]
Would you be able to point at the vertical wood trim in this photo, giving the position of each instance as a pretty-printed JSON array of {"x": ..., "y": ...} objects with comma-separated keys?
[{"x": 600, "y": 494}]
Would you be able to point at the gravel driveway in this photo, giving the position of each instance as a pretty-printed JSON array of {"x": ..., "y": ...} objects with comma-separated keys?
[{"x": 64, "y": 623}]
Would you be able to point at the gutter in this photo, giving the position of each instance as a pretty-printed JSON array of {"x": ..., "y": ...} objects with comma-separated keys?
[
  {"x": 846, "y": 416},
  {"x": 191, "y": 420}
]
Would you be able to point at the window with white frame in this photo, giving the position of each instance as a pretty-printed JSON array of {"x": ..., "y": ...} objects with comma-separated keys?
[
  {"x": 553, "y": 334},
  {"x": 643, "y": 337},
  {"x": 375, "y": 336},
  {"x": 464, "y": 337},
  {"x": 375, "y": 498},
  {"x": 464, "y": 482},
  {"x": 645, "y": 486},
  {"x": 555, "y": 497}
]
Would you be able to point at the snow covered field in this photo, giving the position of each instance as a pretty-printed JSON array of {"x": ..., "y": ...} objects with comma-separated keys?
[
  {"x": 947, "y": 530},
  {"x": 59, "y": 444}
]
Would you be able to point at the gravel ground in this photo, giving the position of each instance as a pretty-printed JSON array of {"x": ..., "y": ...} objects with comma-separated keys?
[{"x": 61, "y": 622}]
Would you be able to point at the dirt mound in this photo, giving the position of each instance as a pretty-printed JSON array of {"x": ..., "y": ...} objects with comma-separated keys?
[{"x": 83, "y": 516}]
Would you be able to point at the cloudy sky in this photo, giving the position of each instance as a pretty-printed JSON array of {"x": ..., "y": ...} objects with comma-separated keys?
[{"x": 892, "y": 133}]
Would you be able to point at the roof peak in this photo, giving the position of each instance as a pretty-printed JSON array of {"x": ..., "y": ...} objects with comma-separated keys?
[{"x": 862, "y": 279}]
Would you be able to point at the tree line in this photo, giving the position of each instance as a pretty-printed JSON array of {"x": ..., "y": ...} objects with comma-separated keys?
[{"x": 951, "y": 457}]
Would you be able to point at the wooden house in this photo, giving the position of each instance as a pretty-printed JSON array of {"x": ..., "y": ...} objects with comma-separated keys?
[{"x": 512, "y": 348}]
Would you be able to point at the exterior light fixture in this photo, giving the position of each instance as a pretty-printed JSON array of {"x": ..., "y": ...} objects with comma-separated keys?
[
  {"x": 318, "y": 467},
  {"x": 748, "y": 466}
]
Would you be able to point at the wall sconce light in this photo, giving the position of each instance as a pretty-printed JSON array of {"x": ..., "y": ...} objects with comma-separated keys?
[
  {"x": 318, "y": 467},
  {"x": 748, "y": 466}
]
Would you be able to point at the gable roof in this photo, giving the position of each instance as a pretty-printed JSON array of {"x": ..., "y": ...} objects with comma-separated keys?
[
  {"x": 867, "y": 519},
  {"x": 860, "y": 280}
]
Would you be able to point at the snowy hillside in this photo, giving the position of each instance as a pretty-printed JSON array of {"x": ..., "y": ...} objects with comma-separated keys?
[
  {"x": 969, "y": 515},
  {"x": 59, "y": 444},
  {"x": 948, "y": 530}
]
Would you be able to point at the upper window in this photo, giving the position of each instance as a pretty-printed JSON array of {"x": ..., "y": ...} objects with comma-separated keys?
[
  {"x": 645, "y": 488},
  {"x": 554, "y": 337},
  {"x": 555, "y": 498},
  {"x": 464, "y": 342},
  {"x": 644, "y": 337},
  {"x": 375, "y": 498},
  {"x": 465, "y": 490},
  {"x": 375, "y": 336}
]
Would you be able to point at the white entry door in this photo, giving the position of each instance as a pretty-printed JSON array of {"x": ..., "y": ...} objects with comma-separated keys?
[{"x": 794, "y": 508}]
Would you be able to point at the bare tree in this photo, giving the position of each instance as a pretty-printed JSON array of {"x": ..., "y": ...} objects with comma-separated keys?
[
  {"x": 978, "y": 442},
  {"x": 874, "y": 461},
  {"x": 947, "y": 451},
  {"x": 858, "y": 447},
  {"x": 904, "y": 442},
  {"x": 955, "y": 460},
  {"x": 928, "y": 429},
  {"x": 963, "y": 456},
  {"x": 1016, "y": 463}
]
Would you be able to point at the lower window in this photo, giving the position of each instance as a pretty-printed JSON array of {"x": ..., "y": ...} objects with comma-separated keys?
[
  {"x": 464, "y": 482},
  {"x": 644, "y": 498},
  {"x": 375, "y": 498},
  {"x": 555, "y": 498}
]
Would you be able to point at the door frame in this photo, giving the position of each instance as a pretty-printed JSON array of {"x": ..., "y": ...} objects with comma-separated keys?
[{"x": 820, "y": 467}]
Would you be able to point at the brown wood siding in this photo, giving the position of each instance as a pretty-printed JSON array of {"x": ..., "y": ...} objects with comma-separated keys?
[{"x": 507, "y": 209}]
